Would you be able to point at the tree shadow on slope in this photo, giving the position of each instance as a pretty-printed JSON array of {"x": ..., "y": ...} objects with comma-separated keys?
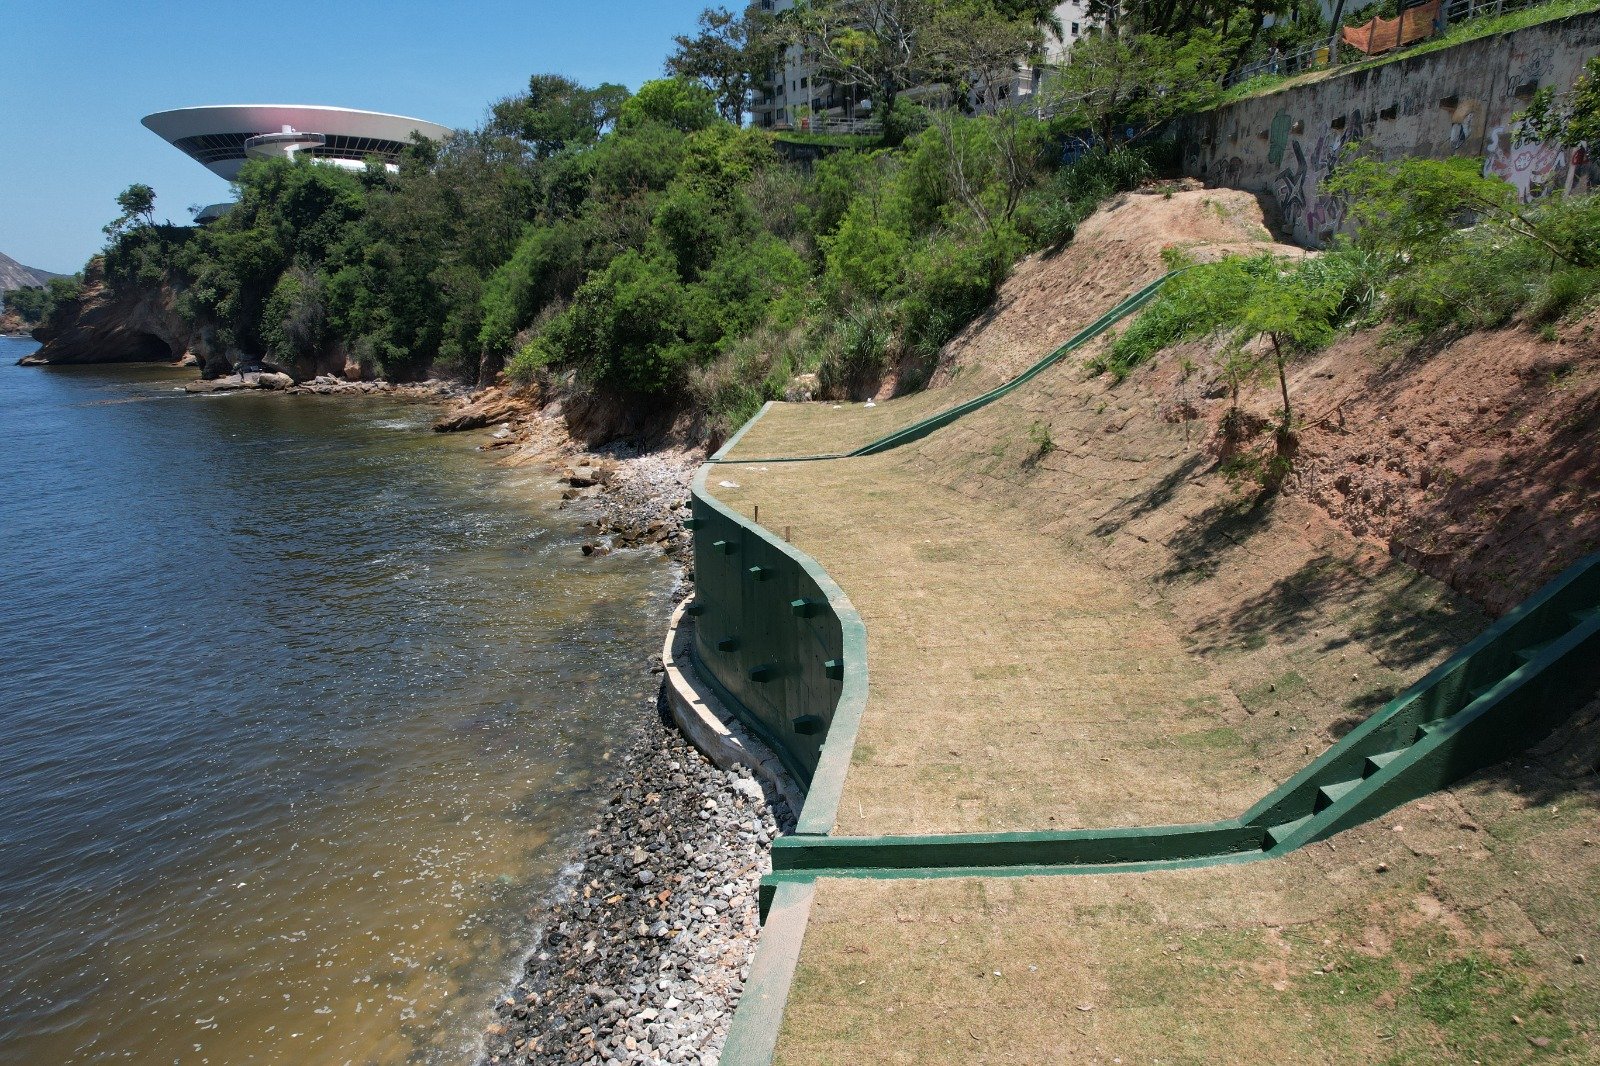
[
  {"x": 1199, "y": 546},
  {"x": 1398, "y": 620},
  {"x": 1157, "y": 497}
]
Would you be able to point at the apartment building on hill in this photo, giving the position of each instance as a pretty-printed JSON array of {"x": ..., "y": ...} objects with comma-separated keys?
[{"x": 794, "y": 96}]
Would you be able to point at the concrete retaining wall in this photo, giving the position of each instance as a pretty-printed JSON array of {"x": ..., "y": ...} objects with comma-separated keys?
[
  {"x": 779, "y": 643},
  {"x": 1457, "y": 101}
]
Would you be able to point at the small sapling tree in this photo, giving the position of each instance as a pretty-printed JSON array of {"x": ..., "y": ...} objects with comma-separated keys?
[{"x": 1295, "y": 315}]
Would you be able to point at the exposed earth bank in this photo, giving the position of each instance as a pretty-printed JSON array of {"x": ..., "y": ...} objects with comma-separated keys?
[{"x": 1468, "y": 455}]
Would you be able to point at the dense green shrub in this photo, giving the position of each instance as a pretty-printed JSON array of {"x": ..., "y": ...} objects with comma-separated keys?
[
  {"x": 680, "y": 103},
  {"x": 294, "y": 320},
  {"x": 756, "y": 368},
  {"x": 1473, "y": 284},
  {"x": 856, "y": 348},
  {"x": 547, "y": 266},
  {"x": 1199, "y": 301},
  {"x": 948, "y": 284},
  {"x": 1057, "y": 207}
]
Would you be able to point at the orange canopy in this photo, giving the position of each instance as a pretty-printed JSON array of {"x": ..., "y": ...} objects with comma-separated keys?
[{"x": 1385, "y": 35}]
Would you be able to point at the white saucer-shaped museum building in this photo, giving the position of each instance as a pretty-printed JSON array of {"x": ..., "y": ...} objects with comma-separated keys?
[{"x": 221, "y": 138}]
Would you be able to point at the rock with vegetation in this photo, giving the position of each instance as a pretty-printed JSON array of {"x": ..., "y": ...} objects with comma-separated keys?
[{"x": 99, "y": 322}]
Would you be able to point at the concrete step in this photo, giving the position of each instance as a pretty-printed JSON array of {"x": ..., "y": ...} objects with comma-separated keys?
[
  {"x": 1531, "y": 652},
  {"x": 1377, "y": 762},
  {"x": 1328, "y": 795},
  {"x": 1279, "y": 833}
]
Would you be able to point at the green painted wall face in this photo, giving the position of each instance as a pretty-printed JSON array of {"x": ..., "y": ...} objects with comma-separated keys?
[{"x": 753, "y": 645}]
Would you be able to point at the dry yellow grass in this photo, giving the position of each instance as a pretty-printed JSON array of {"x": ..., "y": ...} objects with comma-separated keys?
[
  {"x": 1446, "y": 932},
  {"x": 1014, "y": 683},
  {"x": 794, "y": 429},
  {"x": 1091, "y": 637}
]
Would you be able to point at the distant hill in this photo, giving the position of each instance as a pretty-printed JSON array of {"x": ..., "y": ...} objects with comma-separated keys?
[{"x": 13, "y": 275}]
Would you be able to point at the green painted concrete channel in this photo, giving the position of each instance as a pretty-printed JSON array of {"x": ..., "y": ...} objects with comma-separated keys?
[{"x": 782, "y": 646}]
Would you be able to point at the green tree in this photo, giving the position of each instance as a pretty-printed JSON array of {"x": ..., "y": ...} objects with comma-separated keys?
[
  {"x": 975, "y": 47},
  {"x": 1138, "y": 81},
  {"x": 138, "y": 204},
  {"x": 1411, "y": 209},
  {"x": 727, "y": 56},
  {"x": 29, "y": 304},
  {"x": 680, "y": 103},
  {"x": 1295, "y": 314},
  {"x": 1173, "y": 18},
  {"x": 872, "y": 46},
  {"x": 557, "y": 112}
]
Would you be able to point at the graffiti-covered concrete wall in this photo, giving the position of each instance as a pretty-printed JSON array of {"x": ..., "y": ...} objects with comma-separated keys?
[{"x": 1458, "y": 101}]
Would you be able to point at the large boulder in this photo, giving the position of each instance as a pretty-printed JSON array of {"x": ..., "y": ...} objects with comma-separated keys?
[
  {"x": 270, "y": 380},
  {"x": 493, "y": 405}
]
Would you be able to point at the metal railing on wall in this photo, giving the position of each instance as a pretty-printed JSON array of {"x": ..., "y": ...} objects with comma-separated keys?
[{"x": 1318, "y": 55}]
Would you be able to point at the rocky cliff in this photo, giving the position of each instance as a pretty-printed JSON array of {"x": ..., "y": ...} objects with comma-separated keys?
[
  {"x": 135, "y": 322},
  {"x": 121, "y": 325}
]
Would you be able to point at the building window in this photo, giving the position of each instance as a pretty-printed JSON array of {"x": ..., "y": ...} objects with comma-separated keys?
[{"x": 1074, "y": 29}]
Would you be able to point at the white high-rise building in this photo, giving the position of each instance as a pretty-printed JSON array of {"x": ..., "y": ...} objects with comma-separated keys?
[{"x": 791, "y": 96}]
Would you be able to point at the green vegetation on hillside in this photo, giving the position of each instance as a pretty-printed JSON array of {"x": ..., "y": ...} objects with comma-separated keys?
[
  {"x": 1410, "y": 261},
  {"x": 649, "y": 244},
  {"x": 640, "y": 244},
  {"x": 35, "y": 304}
]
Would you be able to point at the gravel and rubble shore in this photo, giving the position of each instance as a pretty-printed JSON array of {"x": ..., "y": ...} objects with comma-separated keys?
[
  {"x": 644, "y": 949},
  {"x": 644, "y": 953}
]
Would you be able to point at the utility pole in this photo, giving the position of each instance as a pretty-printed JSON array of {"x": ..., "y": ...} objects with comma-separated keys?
[{"x": 1333, "y": 42}]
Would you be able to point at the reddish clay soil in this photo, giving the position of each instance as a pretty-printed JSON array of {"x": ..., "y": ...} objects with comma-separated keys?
[
  {"x": 1052, "y": 295},
  {"x": 1474, "y": 460}
]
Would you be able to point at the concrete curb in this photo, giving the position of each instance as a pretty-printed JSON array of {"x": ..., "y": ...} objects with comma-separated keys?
[
  {"x": 708, "y": 724},
  {"x": 753, "y": 1034}
]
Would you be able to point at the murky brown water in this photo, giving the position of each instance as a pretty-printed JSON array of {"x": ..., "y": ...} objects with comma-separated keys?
[{"x": 300, "y": 705}]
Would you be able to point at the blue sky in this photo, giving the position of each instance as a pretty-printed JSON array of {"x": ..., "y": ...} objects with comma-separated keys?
[{"x": 75, "y": 78}]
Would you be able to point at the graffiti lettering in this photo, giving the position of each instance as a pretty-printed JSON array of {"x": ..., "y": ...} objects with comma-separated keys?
[{"x": 1298, "y": 185}]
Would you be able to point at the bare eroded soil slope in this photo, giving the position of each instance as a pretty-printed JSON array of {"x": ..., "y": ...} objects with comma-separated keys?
[
  {"x": 1048, "y": 298},
  {"x": 1471, "y": 457}
]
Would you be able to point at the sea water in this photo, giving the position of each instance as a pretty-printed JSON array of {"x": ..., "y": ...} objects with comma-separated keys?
[{"x": 301, "y": 707}]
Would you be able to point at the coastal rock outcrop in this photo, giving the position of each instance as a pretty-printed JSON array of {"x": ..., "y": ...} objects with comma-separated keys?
[
  {"x": 498, "y": 403},
  {"x": 236, "y": 382},
  {"x": 117, "y": 325}
]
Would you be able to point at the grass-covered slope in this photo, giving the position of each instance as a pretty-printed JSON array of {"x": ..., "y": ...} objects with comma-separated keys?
[
  {"x": 1079, "y": 614},
  {"x": 1459, "y": 928}
]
